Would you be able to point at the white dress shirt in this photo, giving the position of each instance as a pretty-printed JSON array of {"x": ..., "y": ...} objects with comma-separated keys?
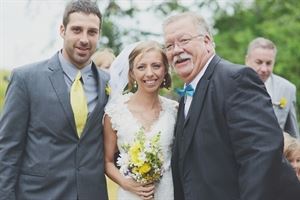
[{"x": 193, "y": 83}]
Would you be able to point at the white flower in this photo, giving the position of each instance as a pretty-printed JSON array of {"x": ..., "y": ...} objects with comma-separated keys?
[
  {"x": 148, "y": 146},
  {"x": 123, "y": 159},
  {"x": 142, "y": 156}
]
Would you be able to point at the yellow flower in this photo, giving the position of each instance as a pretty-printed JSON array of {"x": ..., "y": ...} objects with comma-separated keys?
[
  {"x": 135, "y": 170},
  {"x": 134, "y": 153},
  {"x": 282, "y": 102},
  {"x": 145, "y": 168},
  {"x": 107, "y": 90}
]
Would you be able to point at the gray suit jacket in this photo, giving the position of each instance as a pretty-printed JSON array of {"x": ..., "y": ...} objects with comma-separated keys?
[
  {"x": 41, "y": 156},
  {"x": 280, "y": 88}
]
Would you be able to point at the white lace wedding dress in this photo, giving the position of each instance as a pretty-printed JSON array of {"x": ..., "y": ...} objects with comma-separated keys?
[{"x": 126, "y": 126}]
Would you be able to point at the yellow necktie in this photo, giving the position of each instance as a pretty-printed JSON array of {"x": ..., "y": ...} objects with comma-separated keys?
[{"x": 79, "y": 104}]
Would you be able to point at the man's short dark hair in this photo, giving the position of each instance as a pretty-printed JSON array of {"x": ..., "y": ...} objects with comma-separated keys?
[{"x": 85, "y": 6}]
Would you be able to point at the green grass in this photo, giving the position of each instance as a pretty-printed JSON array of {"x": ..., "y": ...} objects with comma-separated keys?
[{"x": 4, "y": 75}]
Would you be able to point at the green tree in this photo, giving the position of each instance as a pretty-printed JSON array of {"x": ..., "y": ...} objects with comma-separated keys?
[{"x": 278, "y": 20}]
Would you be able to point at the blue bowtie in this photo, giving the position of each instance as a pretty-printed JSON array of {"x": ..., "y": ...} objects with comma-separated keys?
[{"x": 187, "y": 91}]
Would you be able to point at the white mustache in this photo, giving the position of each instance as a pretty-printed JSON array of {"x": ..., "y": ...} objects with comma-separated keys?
[{"x": 181, "y": 57}]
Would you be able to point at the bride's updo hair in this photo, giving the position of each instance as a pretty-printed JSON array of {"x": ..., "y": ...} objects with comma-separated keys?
[{"x": 140, "y": 49}]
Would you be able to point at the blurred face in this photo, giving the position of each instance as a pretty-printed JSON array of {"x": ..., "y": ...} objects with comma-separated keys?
[
  {"x": 105, "y": 65},
  {"x": 186, "y": 49},
  {"x": 262, "y": 61},
  {"x": 148, "y": 71},
  {"x": 80, "y": 38},
  {"x": 294, "y": 159},
  {"x": 107, "y": 62}
]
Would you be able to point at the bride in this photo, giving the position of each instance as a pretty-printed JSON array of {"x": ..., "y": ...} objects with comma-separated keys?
[{"x": 145, "y": 68}]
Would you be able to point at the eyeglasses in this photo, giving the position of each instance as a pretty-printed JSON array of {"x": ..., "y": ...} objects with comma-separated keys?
[{"x": 184, "y": 40}]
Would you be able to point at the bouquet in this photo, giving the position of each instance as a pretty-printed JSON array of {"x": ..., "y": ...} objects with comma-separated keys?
[{"x": 143, "y": 159}]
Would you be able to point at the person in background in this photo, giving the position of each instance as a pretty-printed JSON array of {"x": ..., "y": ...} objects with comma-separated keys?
[
  {"x": 103, "y": 58},
  {"x": 292, "y": 152},
  {"x": 51, "y": 139},
  {"x": 228, "y": 144},
  {"x": 261, "y": 56},
  {"x": 142, "y": 114}
]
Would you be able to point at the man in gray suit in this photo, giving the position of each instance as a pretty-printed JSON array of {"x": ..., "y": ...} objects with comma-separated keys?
[
  {"x": 42, "y": 153},
  {"x": 261, "y": 57}
]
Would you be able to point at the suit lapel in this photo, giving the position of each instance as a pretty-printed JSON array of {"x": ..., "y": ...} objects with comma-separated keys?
[
  {"x": 180, "y": 119},
  {"x": 178, "y": 137},
  {"x": 58, "y": 82},
  {"x": 102, "y": 97},
  {"x": 269, "y": 84},
  {"x": 197, "y": 101},
  {"x": 197, "y": 104},
  {"x": 194, "y": 113}
]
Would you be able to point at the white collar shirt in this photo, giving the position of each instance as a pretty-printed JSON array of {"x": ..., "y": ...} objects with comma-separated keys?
[{"x": 194, "y": 83}]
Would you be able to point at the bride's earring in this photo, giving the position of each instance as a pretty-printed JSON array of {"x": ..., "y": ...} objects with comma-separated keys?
[
  {"x": 164, "y": 82},
  {"x": 134, "y": 85}
]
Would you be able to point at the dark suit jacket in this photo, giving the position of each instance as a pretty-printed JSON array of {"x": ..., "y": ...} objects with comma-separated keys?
[
  {"x": 41, "y": 156},
  {"x": 229, "y": 147}
]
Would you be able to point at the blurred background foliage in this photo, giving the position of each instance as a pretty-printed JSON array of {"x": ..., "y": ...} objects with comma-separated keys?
[
  {"x": 235, "y": 23},
  {"x": 278, "y": 20}
]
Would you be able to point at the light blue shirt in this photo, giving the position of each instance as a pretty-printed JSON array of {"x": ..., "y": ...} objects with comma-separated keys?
[{"x": 89, "y": 81}]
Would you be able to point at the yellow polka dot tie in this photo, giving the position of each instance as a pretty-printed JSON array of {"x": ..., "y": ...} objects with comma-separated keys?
[{"x": 79, "y": 104}]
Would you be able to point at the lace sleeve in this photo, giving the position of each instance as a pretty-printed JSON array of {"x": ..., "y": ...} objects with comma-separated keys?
[
  {"x": 171, "y": 106},
  {"x": 113, "y": 109}
]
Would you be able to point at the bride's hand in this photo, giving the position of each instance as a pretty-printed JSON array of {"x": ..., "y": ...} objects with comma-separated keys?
[
  {"x": 145, "y": 191},
  {"x": 149, "y": 192}
]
